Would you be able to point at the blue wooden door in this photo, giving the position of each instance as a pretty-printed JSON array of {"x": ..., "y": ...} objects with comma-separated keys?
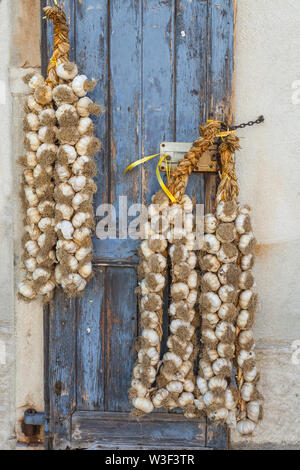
[{"x": 164, "y": 67}]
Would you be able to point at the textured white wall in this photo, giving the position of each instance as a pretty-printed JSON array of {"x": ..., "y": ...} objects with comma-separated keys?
[
  {"x": 7, "y": 362},
  {"x": 21, "y": 325},
  {"x": 267, "y": 64}
]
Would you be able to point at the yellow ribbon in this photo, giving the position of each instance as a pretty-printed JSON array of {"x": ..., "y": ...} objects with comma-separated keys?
[{"x": 159, "y": 178}]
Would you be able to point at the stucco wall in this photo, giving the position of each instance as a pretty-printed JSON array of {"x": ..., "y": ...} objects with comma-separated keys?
[
  {"x": 21, "y": 328},
  {"x": 267, "y": 65}
]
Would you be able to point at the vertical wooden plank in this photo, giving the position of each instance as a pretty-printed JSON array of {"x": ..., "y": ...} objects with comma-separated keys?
[
  {"x": 120, "y": 332},
  {"x": 124, "y": 103},
  {"x": 92, "y": 58},
  {"x": 220, "y": 72},
  {"x": 221, "y": 21},
  {"x": 62, "y": 368},
  {"x": 191, "y": 79},
  {"x": 90, "y": 349},
  {"x": 61, "y": 373},
  {"x": 158, "y": 84},
  {"x": 220, "y": 69}
]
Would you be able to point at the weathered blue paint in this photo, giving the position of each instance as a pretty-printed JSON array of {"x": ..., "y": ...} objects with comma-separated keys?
[
  {"x": 90, "y": 354},
  {"x": 163, "y": 68}
]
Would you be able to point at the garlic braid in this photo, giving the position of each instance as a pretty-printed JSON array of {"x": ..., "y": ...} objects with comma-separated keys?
[
  {"x": 228, "y": 315},
  {"x": 177, "y": 363},
  {"x": 37, "y": 192},
  {"x": 219, "y": 286},
  {"x": 249, "y": 407},
  {"x": 74, "y": 172},
  {"x": 60, "y": 146},
  {"x": 247, "y": 375},
  {"x": 176, "y": 380},
  {"x": 152, "y": 280}
]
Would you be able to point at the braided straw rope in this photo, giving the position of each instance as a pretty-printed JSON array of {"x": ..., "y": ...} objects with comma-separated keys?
[
  {"x": 180, "y": 175},
  {"x": 61, "y": 49},
  {"x": 228, "y": 189}
]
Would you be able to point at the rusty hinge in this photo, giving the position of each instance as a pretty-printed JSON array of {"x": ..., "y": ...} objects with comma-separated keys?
[
  {"x": 175, "y": 151},
  {"x": 33, "y": 420}
]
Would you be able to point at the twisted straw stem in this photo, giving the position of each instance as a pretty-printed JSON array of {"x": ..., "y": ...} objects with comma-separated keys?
[
  {"x": 228, "y": 189},
  {"x": 61, "y": 49},
  {"x": 180, "y": 175}
]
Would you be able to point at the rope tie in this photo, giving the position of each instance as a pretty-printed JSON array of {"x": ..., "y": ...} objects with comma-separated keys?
[
  {"x": 180, "y": 175},
  {"x": 61, "y": 49},
  {"x": 228, "y": 188}
]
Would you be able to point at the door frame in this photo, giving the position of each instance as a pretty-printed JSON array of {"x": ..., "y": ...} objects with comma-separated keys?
[{"x": 219, "y": 98}]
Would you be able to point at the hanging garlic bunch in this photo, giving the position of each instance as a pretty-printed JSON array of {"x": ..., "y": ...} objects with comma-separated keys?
[
  {"x": 176, "y": 381},
  {"x": 174, "y": 384},
  {"x": 152, "y": 280},
  {"x": 37, "y": 191},
  {"x": 74, "y": 172},
  {"x": 219, "y": 287},
  {"x": 250, "y": 409},
  {"x": 58, "y": 176},
  {"x": 228, "y": 303}
]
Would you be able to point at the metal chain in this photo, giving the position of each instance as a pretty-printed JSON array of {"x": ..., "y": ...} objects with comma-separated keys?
[{"x": 259, "y": 120}]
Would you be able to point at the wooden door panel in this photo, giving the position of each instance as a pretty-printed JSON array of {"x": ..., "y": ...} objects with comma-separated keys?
[
  {"x": 121, "y": 329},
  {"x": 163, "y": 67},
  {"x": 90, "y": 331}
]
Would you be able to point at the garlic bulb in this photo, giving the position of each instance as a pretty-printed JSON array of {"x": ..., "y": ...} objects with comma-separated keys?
[
  {"x": 35, "y": 81},
  {"x": 31, "y": 122},
  {"x": 245, "y": 320},
  {"x": 81, "y": 85},
  {"x": 243, "y": 224},
  {"x": 227, "y": 312},
  {"x": 226, "y": 211},
  {"x": 246, "y": 339},
  {"x": 43, "y": 94},
  {"x": 247, "y": 243},
  {"x": 73, "y": 283},
  {"x": 63, "y": 94},
  {"x": 85, "y": 126},
  {"x": 247, "y": 300},
  {"x": 143, "y": 404},
  {"x": 247, "y": 261},
  {"x": 33, "y": 105},
  {"x": 246, "y": 280},
  {"x": 210, "y": 282},
  {"x": 212, "y": 244},
  {"x": 228, "y": 253},
  {"x": 227, "y": 293},
  {"x": 67, "y": 116},
  {"x": 210, "y": 223},
  {"x": 32, "y": 141},
  {"x": 210, "y": 302},
  {"x": 67, "y": 71},
  {"x": 160, "y": 396},
  {"x": 85, "y": 107},
  {"x": 47, "y": 117},
  {"x": 226, "y": 232},
  {"x": 254, "y": 411},
  {"x": 26, "y": 290},
  {"x": 209, "y": 263},
  {"x": 245, "y": 427}
]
